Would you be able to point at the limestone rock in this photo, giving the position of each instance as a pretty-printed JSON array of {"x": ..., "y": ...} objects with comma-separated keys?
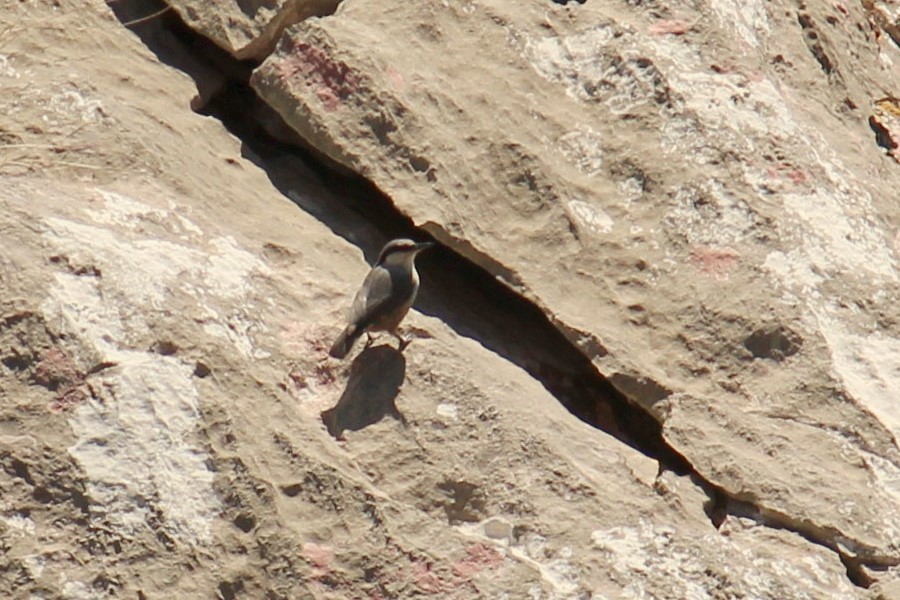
[
  {"x": 692, "y": 195},
  {"x": 248, "y": 29},
  {"x": 172, "y": 426}
]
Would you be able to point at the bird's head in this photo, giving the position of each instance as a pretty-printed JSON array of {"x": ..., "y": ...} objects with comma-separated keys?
[{"x": 401, "y": 250}]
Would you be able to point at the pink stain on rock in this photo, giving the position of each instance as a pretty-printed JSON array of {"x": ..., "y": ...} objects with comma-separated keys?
[
  {"x": 478, "y": 558},
  {"x": 67, "y": 400},
  {"x": 396, "y": 78},
  {"x": 57, "y": 372},
  {"x": 714, "y": 261},
  {"x": 425, "y": 579},
  {"x": 787, "y": 171},
  {"x": 320, "y": 557},
  {"x": 670, "y": 27},
  {"x": 331, "y": 80},
  {"x": 56, "y": 369},
  {"x": 432, "y": 579}
]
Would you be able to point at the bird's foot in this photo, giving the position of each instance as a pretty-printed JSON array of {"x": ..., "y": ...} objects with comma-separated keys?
[
  {"x": 403, "y": 342},
  {"x": 369, "y": 339}
]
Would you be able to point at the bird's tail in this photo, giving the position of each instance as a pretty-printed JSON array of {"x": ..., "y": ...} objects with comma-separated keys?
[{"x": 345, "y": 341}]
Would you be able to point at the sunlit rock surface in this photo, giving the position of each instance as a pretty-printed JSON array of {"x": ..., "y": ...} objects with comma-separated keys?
[{"x": 695, "y": 196}]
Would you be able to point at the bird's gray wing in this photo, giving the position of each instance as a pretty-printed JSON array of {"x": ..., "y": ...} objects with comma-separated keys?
[{"x": 372, "y": 296}]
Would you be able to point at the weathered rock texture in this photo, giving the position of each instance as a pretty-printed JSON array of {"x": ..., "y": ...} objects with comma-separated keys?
[
  {"x": 688, "y": 193},
  {"x": 248, "y": 29},
  {"x": 698, "y": 200}
]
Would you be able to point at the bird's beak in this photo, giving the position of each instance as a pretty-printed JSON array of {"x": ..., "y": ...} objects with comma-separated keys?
[{"x": 423, "y": 246}]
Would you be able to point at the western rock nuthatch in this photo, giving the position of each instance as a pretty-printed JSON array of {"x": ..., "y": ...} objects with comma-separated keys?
[{"x": 385, "y": 296}]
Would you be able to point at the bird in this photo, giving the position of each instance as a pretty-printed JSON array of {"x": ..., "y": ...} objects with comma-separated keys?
[{"x": 386, "y": 295}]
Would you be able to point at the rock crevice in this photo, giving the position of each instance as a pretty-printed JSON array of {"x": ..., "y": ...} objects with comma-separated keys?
[{"x": 470, "y": 298}]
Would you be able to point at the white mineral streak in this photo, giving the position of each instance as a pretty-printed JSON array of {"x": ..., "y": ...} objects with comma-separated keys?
[{"x": 135, "y": 436}]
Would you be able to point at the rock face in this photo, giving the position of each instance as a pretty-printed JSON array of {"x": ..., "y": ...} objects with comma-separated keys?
[
  {"x": 689, "y": 193},
  {"x": 248, "y": 29},
  {"x": 679, "y": 221}
]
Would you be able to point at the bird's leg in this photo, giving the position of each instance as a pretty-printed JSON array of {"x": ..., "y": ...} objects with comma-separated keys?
[
  {"x": 369, "y": 339},
  {"x": 404, "y": 342}
]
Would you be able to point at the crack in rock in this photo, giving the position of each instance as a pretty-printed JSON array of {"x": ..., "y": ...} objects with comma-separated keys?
[{"x": 475, "y": 304}]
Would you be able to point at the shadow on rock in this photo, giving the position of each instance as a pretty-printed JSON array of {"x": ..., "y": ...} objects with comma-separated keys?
[{"x": 375, "y": 379}]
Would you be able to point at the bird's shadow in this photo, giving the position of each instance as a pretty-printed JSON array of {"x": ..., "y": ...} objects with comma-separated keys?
[{"x": 376, "y": 375}]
